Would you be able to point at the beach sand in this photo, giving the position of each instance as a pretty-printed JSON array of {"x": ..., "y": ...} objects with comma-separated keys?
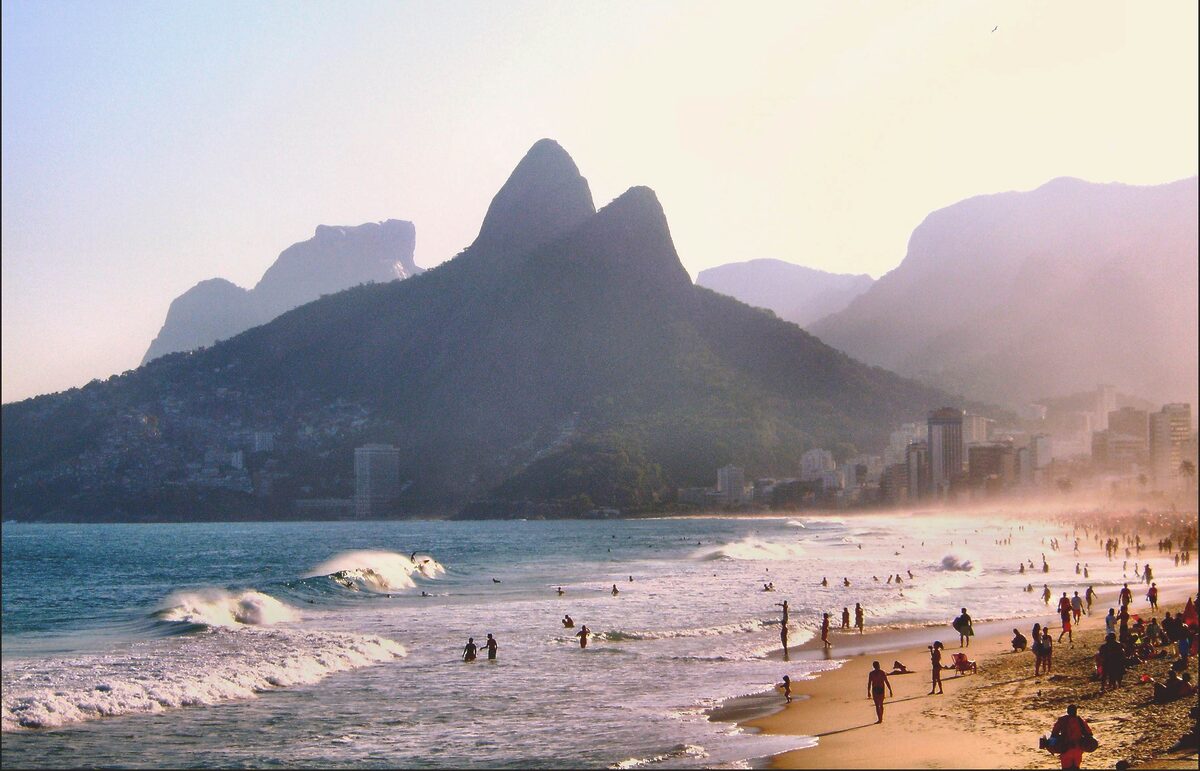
[{"x": 987, "y": 720}]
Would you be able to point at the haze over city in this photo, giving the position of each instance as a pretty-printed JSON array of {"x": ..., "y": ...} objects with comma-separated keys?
[{"x": 147, "y": 147}]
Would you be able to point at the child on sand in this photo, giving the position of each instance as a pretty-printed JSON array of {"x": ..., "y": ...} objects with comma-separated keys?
[
  {"x": 935, "y": 661},
  {"x": 787, "y": 688}
]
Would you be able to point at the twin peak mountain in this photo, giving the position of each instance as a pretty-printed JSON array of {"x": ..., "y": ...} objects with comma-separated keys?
[{"x": 563, "y": 360}]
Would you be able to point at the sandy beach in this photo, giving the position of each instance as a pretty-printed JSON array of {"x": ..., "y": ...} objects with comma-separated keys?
[{"x": 987, "y": 720}]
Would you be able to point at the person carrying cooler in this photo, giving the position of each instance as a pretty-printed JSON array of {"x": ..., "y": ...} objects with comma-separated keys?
[{"x": 1073, "y": 734}]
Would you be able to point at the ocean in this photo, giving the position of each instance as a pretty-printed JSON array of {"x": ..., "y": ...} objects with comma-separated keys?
[{"x": 339, "y": 643}]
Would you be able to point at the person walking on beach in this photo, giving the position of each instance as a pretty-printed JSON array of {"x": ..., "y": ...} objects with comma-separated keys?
[
  {"x": 490, "y": 645},
  {"x": 470, "y": 650},
  {"x": 825, "y": 631},
  {"x": 582, "y": 634},
  {"x": 876, "y": 681},
  {"x": 858, "y": 617},
  {"x": 1045, "y": 594},
  {"x": 1076, "y": 607},
  {"x": 1126, "y": 596},
  {"x": 1152, "y": 596},
  {"x": 965, "y": 629},
  {"x": 1071, "y": 731},
  {"x": 845, "y": 618},
  {"x": 935, "y": 661},
  {"x": 1065, "y": 617}
]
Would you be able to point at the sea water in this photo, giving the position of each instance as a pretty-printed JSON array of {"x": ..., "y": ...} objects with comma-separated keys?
[{"x": 338, "y": 644}]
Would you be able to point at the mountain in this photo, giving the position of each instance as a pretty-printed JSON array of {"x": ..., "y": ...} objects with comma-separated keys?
[
  {"x": 563, "y": 360},
  {"x": 334, "y": 259},
  {"x": 1014, "y": 296},
  {"x": 795, "y": 293}
]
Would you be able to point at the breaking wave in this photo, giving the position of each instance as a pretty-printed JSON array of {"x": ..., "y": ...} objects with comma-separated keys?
[
  {"x": 186, "y": 671},
  {"x": 218, "y": 608},
  {"x": 677, "y": 752},
  {"x": 955, "y": 563},
  {"x": 751, "y": 549},
  {"x": 378, "y": 571}
]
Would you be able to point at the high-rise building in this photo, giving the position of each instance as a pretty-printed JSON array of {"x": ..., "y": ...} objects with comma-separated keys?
[
  {"x": 1106, "y": 402},
  {"x": 916, "y": 459},
  {"x": 945, "y": 448},
  {"x": 976, "y": 429},
  {"x": 1170, "y": 429},
  {"x": 893, "y": 484},
  {"x": 376, "y": 480},
  {"x": 1131, "y": 422},
  {"x": 1117, "y": 453},
  {"x": 731, "y": 483},
  {"x": 1039, "y": 453},
  {"x": 992, "y": 465},
  {"x": 814, "y": 463}
]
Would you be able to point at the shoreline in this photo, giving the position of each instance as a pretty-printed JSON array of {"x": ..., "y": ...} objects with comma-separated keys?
[{"x": 832, "y": 714}]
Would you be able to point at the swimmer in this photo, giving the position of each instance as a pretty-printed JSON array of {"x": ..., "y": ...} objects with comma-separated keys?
[
  {"x": 560, "y": 591},
  {"x": 582, "y": 634},
  {"x": 615, "y": 590},
  {"x": 568, "y": 622},
  {"x": 845, "y": 581},
  {"x": 824, "y": 581},
  {"x": 469, "y": 650}
]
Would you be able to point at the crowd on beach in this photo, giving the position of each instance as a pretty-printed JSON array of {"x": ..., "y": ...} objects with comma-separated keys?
[{"x": 1131, "y": 641}]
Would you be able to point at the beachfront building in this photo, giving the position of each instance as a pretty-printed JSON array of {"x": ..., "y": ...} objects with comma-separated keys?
[
  {"x": 1118, "y": 453},
  {"x": 814, "y": 463},
  {"x": 893, "y": 485},
  {"x": 992, "y": 466},
  {"x": 1106, "y": 403},
  {"x": 731, "y": 484},
  {"x": 1170, "y": 429},
  {"x": 945, "y": 449},
  {"x": 1131, "y": 422},
  {"x": 976, "y": 429},
  {"x": 916, "y": 460},
  {"x": 376, "y": 480}
]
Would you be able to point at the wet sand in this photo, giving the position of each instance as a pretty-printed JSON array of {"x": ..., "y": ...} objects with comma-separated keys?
[{"x": 987, "y": 720}]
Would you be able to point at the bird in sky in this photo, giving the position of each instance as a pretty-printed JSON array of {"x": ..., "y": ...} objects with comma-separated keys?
[{"x": 995, "y": 28}]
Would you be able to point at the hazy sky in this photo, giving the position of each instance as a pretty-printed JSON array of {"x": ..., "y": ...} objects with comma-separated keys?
[{"x": 148, "y": 146}]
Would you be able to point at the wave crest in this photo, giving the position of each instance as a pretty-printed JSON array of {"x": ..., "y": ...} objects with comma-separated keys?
[
  {"x": 377, "y": 571},
  {"x": 202, "y": 670},
  {"x": 953, "y": 562},
  {"x": 218, "y": 608}
]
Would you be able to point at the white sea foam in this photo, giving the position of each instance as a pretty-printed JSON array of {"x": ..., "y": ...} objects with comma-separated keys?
[
  {"x": 621, "y": 635},
  {"x": 677, "y": 752},
  {"x": 957, "y": 563},
  {"x": 751, "y": 549},
  {"x": 378, "y": 571},
  {"x": 215, "y": 607},
  {"x": 179, "y": 672}
]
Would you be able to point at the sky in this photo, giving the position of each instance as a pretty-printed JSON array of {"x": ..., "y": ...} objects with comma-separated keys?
[{"x": 147, "y": 146}]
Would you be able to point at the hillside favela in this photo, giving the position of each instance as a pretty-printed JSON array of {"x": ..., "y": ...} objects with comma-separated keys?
[{"x": 658, "y": 385}]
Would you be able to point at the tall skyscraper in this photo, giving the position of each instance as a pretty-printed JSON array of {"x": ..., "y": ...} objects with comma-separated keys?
[
  {"x": 916, "y": 458},
  {"x": 1131, "y": 422},
  {"x": 1106, "y": 402},
  {"x": 945, "y": 448},
  {"x": 1170, "y": 429},
  {"x": 376, "y": 480}
]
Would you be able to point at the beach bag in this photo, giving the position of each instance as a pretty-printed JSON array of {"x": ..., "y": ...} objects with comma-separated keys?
[{"x": 1088, "y": 743}]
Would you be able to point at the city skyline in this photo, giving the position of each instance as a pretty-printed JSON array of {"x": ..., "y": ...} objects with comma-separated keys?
[{"x": 145, "y": 149}]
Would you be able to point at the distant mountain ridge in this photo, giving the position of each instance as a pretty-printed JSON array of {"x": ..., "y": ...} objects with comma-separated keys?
[
  {"x": 335, "y": 258},
  {"x": 795, "y": 293},
  {"x": 1012, "y": 296},
  {"x": 562, "y": 361}
]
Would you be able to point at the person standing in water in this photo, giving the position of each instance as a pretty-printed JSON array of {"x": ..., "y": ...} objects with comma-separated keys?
[
  {"x": 783, "y": 605},
  {"x": 787, "y": 688},
  {"x": 490, "y": 645},
  {"x": 876, "y": 680},
  {"x": 845, "y": 618},
  {"x": 470, "y": 650},
  {"x": 582, "y": 634},
  {"x": 858, "y": 616},
  {"x": 1045, "y": 594},
  {"x": 825, "y": 631},
  {"x": 615, "y": 590},
  {"x": 568, "y": 622}
]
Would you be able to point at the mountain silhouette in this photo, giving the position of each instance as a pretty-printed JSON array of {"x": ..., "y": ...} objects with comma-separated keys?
[
  {"x": 795, "y": 293},
  {"x": 334, "y": 259},
  {"x": 563, "y": 360},
  {"x": 1023, "y": 295}
]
